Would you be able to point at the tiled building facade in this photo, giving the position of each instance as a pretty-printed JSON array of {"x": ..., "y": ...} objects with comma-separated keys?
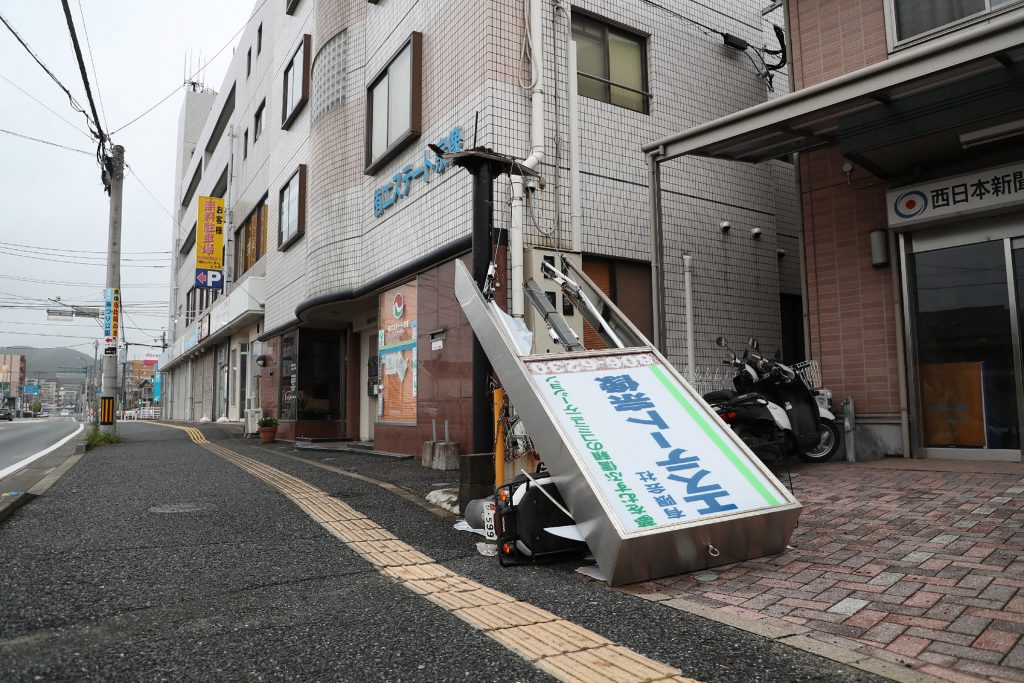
[
  {"x": 359, "y": 335},
  {"x": 908, "y": 118}
]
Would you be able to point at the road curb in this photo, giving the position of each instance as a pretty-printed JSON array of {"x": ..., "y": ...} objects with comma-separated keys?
[{"x": 9, "y": 504}]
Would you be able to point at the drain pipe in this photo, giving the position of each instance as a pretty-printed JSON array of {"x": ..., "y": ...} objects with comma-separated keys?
[
  {"x": 575, "y": 199},
  {"x": 688, "y": 290},
  {"x": 515, "y": 239}
]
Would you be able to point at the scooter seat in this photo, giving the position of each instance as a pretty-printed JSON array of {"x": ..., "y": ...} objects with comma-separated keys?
[{"x": 719, "y": 397}]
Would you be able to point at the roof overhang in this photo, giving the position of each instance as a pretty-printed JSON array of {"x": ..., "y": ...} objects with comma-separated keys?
[{"x": 810, "y": 118}]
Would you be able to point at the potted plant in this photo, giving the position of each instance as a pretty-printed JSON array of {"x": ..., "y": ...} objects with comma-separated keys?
[{"x": 268, "y": 429}]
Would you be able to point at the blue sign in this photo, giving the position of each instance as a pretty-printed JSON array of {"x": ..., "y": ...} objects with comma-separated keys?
[
  {"x": 156, "y": 383},
  {"x": 386, "y": 196},
  {"x": 209, "y": 279},
  {"x": 31, "y": 389}
]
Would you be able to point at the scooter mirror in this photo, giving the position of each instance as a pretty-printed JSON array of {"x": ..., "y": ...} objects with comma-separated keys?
[
  {"x": 722, "y": 342},
  {"x": 752, "y": 343}
]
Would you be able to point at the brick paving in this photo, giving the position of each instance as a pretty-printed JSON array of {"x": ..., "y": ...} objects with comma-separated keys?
[{"x": 917, "y": 563}]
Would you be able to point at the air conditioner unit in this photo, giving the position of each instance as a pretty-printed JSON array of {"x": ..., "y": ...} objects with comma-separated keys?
[{"x": 252, "y": 417}]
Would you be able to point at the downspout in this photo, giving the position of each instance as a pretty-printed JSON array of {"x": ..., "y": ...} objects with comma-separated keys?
[
  {"x": 657, "y": 247},
  {"x": 575, "y": 158},
  {"x": 532, "y": 162}
]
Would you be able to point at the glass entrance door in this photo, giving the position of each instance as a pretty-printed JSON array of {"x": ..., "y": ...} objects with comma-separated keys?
[{"x": 967, "y": 345}]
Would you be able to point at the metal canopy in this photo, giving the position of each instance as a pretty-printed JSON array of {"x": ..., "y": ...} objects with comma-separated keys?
[{"x": 809, "y": 118}]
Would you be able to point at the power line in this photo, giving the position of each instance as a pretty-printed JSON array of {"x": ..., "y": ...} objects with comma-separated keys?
[
  {"x": 190, "y": 78},
  {"x": 44, "y": 106},
  {"x": 45, "y": 142},
  {"x": 74, "y": 251},
  {"x": 85, "y": 260},
  {"x": 77, "y": 263},
  {"x": 150, "y": 193},
  {"x": 88, "y": 46},
  {"x": 63, "y": 283},
  {"x": 74, "y": 103},
  {"x": 102, "y": 157}
]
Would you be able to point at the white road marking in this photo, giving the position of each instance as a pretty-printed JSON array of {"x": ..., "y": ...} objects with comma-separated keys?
[{"x": 32, "y": 458}]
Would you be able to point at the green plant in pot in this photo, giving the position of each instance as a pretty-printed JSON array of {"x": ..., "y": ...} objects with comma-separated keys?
[{"x": 268, "y": 429}]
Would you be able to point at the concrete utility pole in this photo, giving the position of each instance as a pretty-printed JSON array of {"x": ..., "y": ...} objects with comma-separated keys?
[{"x": 107, "y": 397}]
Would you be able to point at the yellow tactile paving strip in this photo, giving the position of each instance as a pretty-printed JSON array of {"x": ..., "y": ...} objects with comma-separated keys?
[{"x": 560, "y": 648}]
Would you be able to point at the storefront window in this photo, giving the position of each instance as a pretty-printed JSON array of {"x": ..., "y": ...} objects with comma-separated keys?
[
  {"x": 319, "y": 393},
  {"x": 289, "y": 376},
  {"x": 397, "y": 355},
  {"x": 965, "y": 348}
]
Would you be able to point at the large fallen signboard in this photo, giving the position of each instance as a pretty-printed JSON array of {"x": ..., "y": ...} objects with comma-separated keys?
[{"x": 657, "y": 484}]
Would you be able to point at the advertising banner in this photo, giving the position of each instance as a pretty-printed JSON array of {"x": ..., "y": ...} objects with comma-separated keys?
[
  {"x": 397, "y": 355},
  {"x": 992, "y": 188},
  {"x": 656, "y": 457},
  {"x": 112, "y": 312},
  {"x": 210, "y": 234}
]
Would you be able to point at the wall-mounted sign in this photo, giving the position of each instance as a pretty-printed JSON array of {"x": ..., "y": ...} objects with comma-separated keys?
[
  {"x": 397, "y": 355},
  {"x": 210, "y": 242},
  {"x": 203, "y": 328},
  {"x": 971, "y": 193},
  {"x": 385, "y": 197},
  {"x": 657, "y": 458}
]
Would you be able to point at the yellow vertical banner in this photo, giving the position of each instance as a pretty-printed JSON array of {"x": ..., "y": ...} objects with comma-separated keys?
[{"x": 210, "y": 234}]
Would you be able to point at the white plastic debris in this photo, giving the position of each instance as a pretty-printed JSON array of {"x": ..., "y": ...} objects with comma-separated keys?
[{"x": 487, "y": 549}]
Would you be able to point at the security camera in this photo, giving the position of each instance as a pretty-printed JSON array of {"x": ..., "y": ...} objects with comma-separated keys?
[
  {"x": 755, "y": 233},
  {"x": 725, "y": 225}
]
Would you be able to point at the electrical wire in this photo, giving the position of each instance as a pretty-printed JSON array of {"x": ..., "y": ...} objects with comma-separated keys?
[
  {"x": 44, "y": 106},
  {"x": 77, "y": 263},
  {"x": 45, "y": 142},
  {"x": 150, "y": 193},
  {"x": 74, "y": 251},
  {"x": 31, "y": 251},
  {"x": 192, "y": 77},
  {"x": 74, "y": 103},
  {"x": 88, "y": 47},
  {"x": 103, "y": 157}
]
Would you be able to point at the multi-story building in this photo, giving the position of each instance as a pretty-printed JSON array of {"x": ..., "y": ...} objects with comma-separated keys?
[
  {"x": 908, "y": 118},
  {"x": 329, "y": 143},
  {"x": 48, "y": 393},
  {"x": 12, "y": 377}
]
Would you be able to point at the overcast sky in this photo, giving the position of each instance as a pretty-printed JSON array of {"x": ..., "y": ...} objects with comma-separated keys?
[{"x": 54, "y": 206}]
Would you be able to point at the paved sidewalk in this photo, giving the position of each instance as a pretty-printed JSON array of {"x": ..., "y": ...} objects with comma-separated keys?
[{"x": 918, "y": 563}]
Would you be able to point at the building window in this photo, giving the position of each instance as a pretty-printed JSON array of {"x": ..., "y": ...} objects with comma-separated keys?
[
  {"x": 295, "y": 93},
  {"x": 611, "y": 63},
  {"x": 393, "y": 105},
  {"x": 248, "y": 62},
  {"x": 190, "y": 306},
  {"x": 329, "y": 77},
  {"x": 258, "y": 120},
  {"x": 251, "y": 239},
  {"x": 912, "y": 18},
  {"x": 628, "y": 285},
  {"x": 289, "y": 376},
  {"x": 245, "y": 144},
  {"x": 290, "y": 5},
  {"x": 259, "y": 39},
  {"x": 292, "y": 209}
]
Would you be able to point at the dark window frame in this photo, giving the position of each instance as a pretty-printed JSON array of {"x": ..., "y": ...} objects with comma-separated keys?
[
  {"x": 287, "y": 117},
  {"x": 190, "y": 240},
  {"x": 245, "y": 144},
  {"x": 259, "y": 118},
  {"x": 290, "y": 5},
  {"x": 625, "y": 31},
  {"x": 240, "y": 261},
  {"x": 284, "y": 243},
  {"x": 259, "y": 40},
  {"x": 415, "y": 43},
  {"x": 248, "y": 63}
]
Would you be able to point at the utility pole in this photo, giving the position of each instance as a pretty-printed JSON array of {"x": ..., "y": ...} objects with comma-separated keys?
[{"x": 115, "y": 171}]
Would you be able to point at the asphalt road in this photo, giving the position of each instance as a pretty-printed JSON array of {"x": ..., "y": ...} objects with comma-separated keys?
[
  {"x": 23, "y": 438},
  {"x": 155, "y": 559}
]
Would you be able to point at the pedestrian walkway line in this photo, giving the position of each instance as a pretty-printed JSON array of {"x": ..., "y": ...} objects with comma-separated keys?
[{"x": 562, "y": 649}]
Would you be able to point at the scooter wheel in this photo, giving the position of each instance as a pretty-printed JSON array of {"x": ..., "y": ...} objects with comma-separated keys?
[{"x": 831, "y": 437}]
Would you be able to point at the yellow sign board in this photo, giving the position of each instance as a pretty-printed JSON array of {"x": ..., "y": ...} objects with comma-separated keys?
[{"x": 210, "y": 234}]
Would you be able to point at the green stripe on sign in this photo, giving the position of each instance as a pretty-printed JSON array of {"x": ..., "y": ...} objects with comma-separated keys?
[{"x": 715, "y": 437}]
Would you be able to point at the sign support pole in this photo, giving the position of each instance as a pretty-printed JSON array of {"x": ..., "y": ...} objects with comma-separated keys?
[{"x": 107, "y": 396}]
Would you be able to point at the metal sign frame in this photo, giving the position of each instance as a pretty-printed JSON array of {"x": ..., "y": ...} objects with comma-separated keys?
[{"x": 625, "y": 557}]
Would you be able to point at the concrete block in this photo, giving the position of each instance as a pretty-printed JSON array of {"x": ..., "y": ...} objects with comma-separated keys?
[
  {"x": 446, "y": 455},
  {"x": 427, "y": 459}
]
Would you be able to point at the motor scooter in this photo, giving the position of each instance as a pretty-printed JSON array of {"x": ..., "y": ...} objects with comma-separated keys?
[{"x": 773, "y": 411}]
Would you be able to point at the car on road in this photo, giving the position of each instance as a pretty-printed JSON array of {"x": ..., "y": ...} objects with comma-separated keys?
[{"x": 6, "y": 414}]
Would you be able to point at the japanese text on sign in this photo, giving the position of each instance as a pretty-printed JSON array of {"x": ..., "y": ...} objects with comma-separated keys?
[
  {"x": 210, "y": 234},
  {"x": 651, "y": 453},
  {"x": 978, "y": 191},
  {"x": 385, "y": 197}
]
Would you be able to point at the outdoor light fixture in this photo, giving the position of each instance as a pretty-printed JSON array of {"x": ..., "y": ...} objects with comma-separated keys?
[
  {"x": 879, "y": 247},
  {"x": 724, "y": 226},
  {"x": 261, "y": 361}
]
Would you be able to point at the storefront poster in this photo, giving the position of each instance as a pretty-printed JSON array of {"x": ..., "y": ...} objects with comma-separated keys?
[
  {"x": 397, "y": 355},
  {"x": 954, "y": 408}
]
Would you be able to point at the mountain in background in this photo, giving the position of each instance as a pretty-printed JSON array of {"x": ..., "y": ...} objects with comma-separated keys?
[{"x": 43, "y": 363}]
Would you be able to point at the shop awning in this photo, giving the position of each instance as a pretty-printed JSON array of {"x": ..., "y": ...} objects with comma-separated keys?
[{"x": 873, "y": 99}]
